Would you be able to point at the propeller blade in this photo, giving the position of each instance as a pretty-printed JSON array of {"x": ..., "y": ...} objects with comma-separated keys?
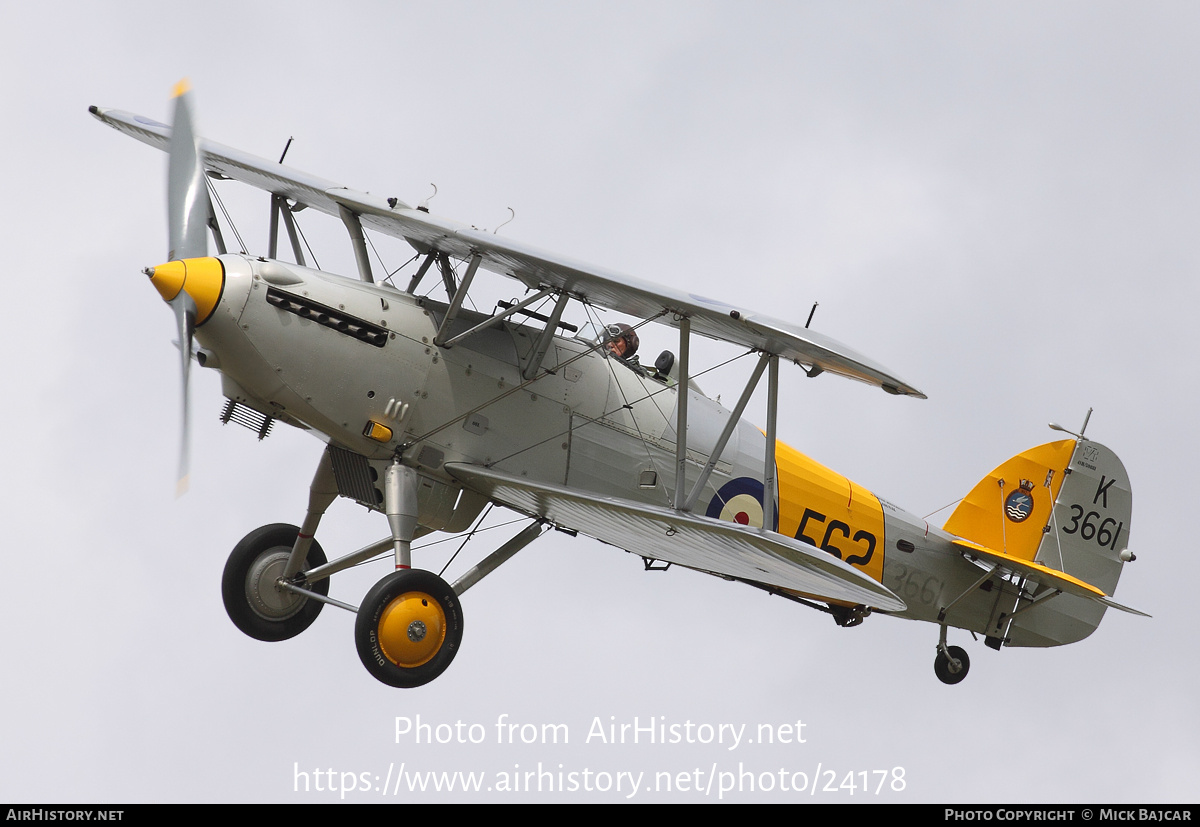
[
  {"x": 187, "y": 222},
  {"x": 187, "y": 199},
  {"x": 185, "y": 320}
]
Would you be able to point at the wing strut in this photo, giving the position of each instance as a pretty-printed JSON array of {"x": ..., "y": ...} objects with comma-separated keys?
[
  {"x": 685, "y": 334},
  {"x": 543, "y": 342},
  {"x": 735, "y": 417},
  {"x": 279, "y": 207},
  {"x": 456, "y": 300},
  {"x": 768, "y": 361},
  {"x": 293, "y": 236},
  {"x": 490, "y": 563},
  {"x": 421, "y": 271},
  {"x": 769, "y": 454},
  {"x": 354, "y": 227},
  {"x": 448, "y": 279},
  {"x": 213, "y": 226},
  {"x": 491, "y": 320}
]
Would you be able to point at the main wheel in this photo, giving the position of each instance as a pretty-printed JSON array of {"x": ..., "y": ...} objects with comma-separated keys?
[
  {"x": 409, "y": 628},
  {"x": 946, "y": 671},
  {"x": 253, "y": 601}
]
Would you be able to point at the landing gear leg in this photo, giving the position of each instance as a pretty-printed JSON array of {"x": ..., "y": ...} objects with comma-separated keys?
[
  {"x": 410, "y": 624},
  {"x": 321, "y": 493},
  {"x": 400, "y": 499},
  {"x": 952, "y": 663}
]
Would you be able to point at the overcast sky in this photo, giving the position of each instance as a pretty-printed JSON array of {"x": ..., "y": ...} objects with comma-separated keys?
[{"x": 998, "y": 201}]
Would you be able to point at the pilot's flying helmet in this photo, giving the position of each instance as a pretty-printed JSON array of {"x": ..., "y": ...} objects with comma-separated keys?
[{"x": 622, "y": 340}]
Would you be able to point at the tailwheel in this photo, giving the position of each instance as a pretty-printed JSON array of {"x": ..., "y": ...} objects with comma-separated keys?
[
  {"x": 409, "y": 628},
  {"x": 253, "y": 599},
  {"x": 951, "y": 664}
]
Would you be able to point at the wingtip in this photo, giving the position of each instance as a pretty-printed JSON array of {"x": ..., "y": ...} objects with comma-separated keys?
[
  {"x": 1112, "y": 604},
  {"x": 181, "y": 88},
  {"x": 902, "y": 390}
]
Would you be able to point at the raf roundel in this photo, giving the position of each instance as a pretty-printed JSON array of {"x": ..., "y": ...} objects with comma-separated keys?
[{"x": 739, "y": 501}]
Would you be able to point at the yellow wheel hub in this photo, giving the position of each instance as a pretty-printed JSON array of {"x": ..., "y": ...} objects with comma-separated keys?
[{"x": 412, "y": 629}]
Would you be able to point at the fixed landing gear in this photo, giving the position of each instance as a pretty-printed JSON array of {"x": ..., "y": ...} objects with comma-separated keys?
[
  {"x": 951, "y": 664},
  {"x": 253, "y": 598},
  {"x": 409, "y": 628},
  {"x": 410, "y": 625}
]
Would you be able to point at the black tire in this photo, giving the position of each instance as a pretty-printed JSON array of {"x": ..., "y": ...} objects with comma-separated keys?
[
  {"x": 252, "y": 601},
  {"x": 409, "y": 628},
  {"x": 941, "y": 665}
]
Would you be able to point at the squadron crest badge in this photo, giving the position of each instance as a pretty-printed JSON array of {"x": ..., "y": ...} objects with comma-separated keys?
[{"x": 1019, "y": 504}]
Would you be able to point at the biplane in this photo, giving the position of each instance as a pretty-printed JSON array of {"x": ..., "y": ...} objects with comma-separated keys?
[{"x": 431, "y": 410}]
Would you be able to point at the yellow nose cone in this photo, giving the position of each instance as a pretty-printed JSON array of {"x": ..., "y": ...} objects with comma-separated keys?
[
  {"x": 201, "y": 278},
  {"x": 168, "y": 278}
]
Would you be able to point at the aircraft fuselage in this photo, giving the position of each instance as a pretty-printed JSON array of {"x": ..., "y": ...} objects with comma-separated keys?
[{"x": 337, "y": 356}]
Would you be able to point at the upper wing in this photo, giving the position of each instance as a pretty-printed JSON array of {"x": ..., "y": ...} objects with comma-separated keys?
[
  {"x": 700, "y": 543},
  {"x": 529, "y": 265}
]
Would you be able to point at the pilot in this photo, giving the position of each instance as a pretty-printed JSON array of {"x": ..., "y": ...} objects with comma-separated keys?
[{"x": 622, "y": 342}]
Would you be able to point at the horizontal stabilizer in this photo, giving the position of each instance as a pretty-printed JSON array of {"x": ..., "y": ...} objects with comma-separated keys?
[
  {"x": 701, "y": 543},
  {"x": 1042, "y": 575}
]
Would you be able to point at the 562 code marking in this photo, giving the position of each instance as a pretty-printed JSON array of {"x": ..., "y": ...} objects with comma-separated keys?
[{"x": 837, "y": 526}]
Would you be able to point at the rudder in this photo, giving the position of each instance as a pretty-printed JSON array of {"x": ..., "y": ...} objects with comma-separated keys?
[{"x": 1088, "y": 533}]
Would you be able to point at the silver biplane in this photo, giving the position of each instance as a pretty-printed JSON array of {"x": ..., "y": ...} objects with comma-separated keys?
[{"x": 446, "y": 409}]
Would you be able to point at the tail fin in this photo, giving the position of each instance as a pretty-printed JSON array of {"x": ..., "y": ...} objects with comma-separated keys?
[
  {"x": 1010, "y": 507},
  {"x": 1064, "y": 506}
]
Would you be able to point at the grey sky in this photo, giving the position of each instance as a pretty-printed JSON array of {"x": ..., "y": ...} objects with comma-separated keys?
[{"x": 997, "y": 201}]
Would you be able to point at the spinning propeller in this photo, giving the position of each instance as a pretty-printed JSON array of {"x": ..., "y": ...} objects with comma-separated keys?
[{"x": 190, "y": 281}]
